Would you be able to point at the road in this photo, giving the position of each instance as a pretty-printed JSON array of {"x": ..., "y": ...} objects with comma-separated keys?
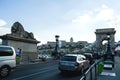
[
  {"x": 41, "y": 71},
  {"x": 115, "y": 71}
]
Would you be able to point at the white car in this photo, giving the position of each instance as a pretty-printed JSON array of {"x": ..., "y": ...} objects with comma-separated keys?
[
  {"x": 73, "y": 62},
  {"x": 7, "y": 60}
]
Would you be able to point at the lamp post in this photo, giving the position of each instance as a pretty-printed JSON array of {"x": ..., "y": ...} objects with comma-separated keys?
[
  {"x": 108, "y": 54},
  {"x": 56, "y": 46}
]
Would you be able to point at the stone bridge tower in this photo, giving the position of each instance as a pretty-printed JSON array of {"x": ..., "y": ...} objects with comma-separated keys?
[{"x": 101, "y": 35}]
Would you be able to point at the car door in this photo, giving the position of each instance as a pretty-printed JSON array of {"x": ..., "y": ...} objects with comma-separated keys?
[{"x": 85, "y": 63}]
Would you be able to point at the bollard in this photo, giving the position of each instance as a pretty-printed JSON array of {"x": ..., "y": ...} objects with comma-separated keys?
[{"x": 100, "y": 67}]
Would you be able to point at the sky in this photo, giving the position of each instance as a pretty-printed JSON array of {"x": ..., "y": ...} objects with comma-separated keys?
[{"x": 78, "y": 19}]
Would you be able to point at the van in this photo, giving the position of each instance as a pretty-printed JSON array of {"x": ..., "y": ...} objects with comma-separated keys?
[{"x": 7, "y": 60}]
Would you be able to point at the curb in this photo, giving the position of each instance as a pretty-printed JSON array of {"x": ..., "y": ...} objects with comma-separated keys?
[{"x": 34, "y": 62}]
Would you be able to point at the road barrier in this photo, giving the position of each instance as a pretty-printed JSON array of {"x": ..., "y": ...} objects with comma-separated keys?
[{"x": 91, "y": 72}]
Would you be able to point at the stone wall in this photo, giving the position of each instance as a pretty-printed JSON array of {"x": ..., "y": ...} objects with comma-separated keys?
[
  {"x": 28, "y": 49},
  {"x": 20, "y": 38}
]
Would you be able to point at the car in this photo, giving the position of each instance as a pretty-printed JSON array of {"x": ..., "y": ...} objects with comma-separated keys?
[
  {"x": 7, "y": 60},
  {"x": 73, "y": 62},
  {"x": 89, "y": 57},
  {"x": 44, "y": 57},
  {"x": 96, "y": 55}
]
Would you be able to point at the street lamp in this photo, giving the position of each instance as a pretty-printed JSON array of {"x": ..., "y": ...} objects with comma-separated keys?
[
  {"x": 108, "y": 54},
  {"x": 56, "y": 47}
]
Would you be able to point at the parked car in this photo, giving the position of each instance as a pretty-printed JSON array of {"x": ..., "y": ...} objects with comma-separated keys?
[
  {"x": 44, "y": 57},
  {"x": 89, "y": 56},
  {"x": 7, "y": 60},
  {"x": 73, "y": 62}
]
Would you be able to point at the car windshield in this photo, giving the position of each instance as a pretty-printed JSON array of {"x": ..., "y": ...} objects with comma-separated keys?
[{"x": 68, "y": 58}]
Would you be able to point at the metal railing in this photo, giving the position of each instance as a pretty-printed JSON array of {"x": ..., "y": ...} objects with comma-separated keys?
[{"x": 90, "y": 72}]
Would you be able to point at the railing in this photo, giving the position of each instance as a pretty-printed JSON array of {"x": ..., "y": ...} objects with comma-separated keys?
[{"x": 89, "y": 73}]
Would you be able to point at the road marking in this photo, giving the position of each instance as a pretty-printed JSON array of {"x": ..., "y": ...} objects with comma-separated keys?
[
  {"x": 108, "y": 74},
  {"x": 107, "y": 65},
  {"x": 34, "y": 73},
  {"x": 31, "y": 75},
  {"x": 42, "y": 68}
]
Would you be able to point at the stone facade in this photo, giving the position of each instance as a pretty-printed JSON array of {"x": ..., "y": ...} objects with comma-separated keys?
[{"x": 19, "y": 38}]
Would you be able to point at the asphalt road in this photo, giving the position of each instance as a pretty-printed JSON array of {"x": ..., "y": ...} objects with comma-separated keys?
[
  {"x": 115, "y": 70},
  {"x": 41, "y": 71}
]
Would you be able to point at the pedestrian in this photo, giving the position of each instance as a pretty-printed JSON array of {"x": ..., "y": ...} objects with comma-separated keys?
[
  {"x": 18, "y": 56},
  {"x": 18, "y": 52}
]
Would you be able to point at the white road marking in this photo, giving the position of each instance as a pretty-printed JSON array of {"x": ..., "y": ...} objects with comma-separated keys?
[
  {"x": 108, "y": 74},
  {"x": 108, "y": 65},
  {"x": 35, "y": 73}
]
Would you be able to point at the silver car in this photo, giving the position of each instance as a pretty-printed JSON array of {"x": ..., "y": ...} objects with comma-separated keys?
[
  {"x": 7, "y": 60},
  {"x": 73, "y": 62}
]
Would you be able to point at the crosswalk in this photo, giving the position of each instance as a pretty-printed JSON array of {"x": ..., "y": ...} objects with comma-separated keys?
[
  {"x": 111, "y": 74},
  {"x": 107, "y": 66},
  {"x": 108, "y": 70},
  {"x": 108, "y": 73}
]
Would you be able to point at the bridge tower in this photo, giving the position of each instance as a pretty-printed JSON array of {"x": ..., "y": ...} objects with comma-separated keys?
[{"x": 103, "y": 34}]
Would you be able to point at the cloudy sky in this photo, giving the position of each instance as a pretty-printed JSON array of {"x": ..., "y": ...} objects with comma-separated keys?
[{"x": 67, "y": 18}]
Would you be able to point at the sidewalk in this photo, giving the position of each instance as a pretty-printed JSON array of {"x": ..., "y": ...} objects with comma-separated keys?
[
  {"x": 113, "y": 74},
  {"x": 37, "y": 61}
]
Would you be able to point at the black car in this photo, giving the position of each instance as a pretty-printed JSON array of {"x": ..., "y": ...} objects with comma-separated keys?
[{"x": 89, "y": 57}]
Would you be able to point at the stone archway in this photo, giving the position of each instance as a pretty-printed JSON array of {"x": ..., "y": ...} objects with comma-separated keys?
[{"x": 101, "y": 35}]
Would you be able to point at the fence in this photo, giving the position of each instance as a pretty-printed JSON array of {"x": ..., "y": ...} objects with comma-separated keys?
[{"x": 91, "y": 73}]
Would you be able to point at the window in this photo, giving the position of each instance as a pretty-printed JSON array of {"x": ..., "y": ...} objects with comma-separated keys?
[
  {"x": 6, "y": 51},
  {"x": 80, "y": 59},
  {"x": 68, "y": 58}
]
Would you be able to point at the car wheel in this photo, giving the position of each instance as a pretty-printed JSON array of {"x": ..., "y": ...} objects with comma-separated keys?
[
  {"x": 63, "y": 71},
  {"x": 4, "y": 71}
]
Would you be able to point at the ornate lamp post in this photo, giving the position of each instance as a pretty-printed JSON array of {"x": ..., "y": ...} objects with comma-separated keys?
[
  {"x": 56, "y": 47},
  {"x": 108, "y": 54}
]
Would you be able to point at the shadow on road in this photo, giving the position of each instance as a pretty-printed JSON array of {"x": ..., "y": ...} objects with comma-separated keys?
[{"x": 70, "y": 74}]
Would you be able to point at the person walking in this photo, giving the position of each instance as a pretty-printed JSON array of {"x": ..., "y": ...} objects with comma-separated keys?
[{"x": 18, "y": 56}]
